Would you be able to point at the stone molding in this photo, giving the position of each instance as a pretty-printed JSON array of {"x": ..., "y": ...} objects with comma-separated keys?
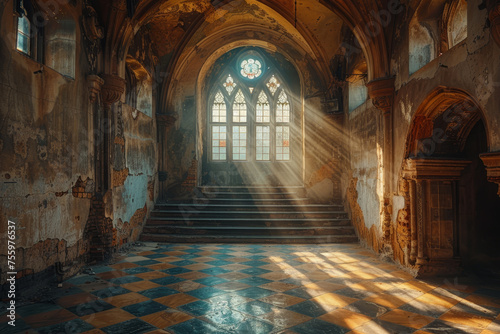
[
  {"x": 492, "y": 163},
  {"x": 434, "y": 169}
]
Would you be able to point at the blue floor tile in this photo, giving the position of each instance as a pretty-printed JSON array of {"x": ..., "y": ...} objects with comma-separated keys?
[
  {"x": 299, "y": 292},
  {"x": 206, "y": 292},
  {"x": 254, "y": 281},
  {"x": 188, "y": 256},
  {"x": 182, "y": 263},
  {"x": 219, "y": 263},
  {"x": 176, "y": 271},
  {"x": 197, "y": 308},
  {"x": 196, "y": 326},
  {"x": 255, "y": 263},
  {"x": 255, "y": 271},
  {"x": 27, "y": 310},
  {"x": 137, "y": 270},
  {"x": 125, "y": 280},
  {"x": 215, "y": 271},
  {"x": 91, "y": 307},
  {"x": 82, "y": 279},
  {"x": 167, "y": 280},
  {"x": 134, "y": 326},
  {"x": 155, "y": 256},
  {"x": 146, "y": 262},
  {"x": 255, "y": 293},
  {"x": 158, "y": 292},
  {"x": 101, "y": 269},
  {"x": 254, "y": 326},
  {"x": 72, "y": 326},
  {"x": 20, "y": 326},
  {"x": 211, "y": 281},
  {"x": 144, "y": 308}
]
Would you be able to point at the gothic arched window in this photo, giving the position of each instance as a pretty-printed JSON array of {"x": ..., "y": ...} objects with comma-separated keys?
[{"x": 250, "y": 114}]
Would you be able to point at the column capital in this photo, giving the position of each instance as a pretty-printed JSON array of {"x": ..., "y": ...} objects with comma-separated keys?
[
  {"x": 113, "y": 88},
  {"x": 492, "y": 163},
  {"x": 381, "y": 92},
  {"x": 95, "y": 83}
]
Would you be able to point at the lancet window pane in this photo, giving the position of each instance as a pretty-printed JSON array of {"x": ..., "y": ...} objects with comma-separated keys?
[
  {"x": 283, "y": 109},
  {"x": 239, "y": 143},
  {"x": 263, "y": 114},
  {"x": 239, "y": 108},
  {"x": 219, "y": 140},
  {"x": 282, "y": 143},
  {"x": 219, "y": 109},
  {"x": 263, "y": 143}
]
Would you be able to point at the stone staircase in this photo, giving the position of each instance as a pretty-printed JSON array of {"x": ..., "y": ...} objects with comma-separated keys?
[{"x": 249, "y": 215}]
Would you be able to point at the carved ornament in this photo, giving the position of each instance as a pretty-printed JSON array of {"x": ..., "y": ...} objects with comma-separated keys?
[
  {"x": 95, "y": 83},
  {"x": 381, "y": 92},
  {"x": 113, "y": 88}
]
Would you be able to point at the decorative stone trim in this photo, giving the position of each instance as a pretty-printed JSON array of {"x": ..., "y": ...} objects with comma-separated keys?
[
  {"x": 113, "y": 88},
  {"x": 492, "y": 163},
  {"x": 494, "y": 16}
]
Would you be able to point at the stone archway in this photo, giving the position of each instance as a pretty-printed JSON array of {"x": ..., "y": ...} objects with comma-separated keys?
[{"x": 446, "y": 136}]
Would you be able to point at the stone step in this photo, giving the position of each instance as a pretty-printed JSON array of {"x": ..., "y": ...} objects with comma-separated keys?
[
  {"x": 208, "y": 190},
  {"x": 189, "y": 214},
  {"x": 288, "y": 223},
  {"x": 245, "y": 230},
  {"x": 249, "y": 207},
  {"x": 243, "y": 201},
  {"x": 263, "y": 239}
]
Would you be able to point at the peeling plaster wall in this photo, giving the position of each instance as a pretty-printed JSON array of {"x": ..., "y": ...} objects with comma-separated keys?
[
  {"x": 365, "y": 126},
  {"x": 46, "y": 147}
]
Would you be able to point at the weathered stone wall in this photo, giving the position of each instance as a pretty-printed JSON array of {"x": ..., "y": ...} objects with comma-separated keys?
[
  {"x": 48, "y": 160},
  {"x": 46, "y": 145}
]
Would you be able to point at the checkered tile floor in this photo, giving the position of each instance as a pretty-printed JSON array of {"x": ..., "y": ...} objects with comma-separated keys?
[{"x": 214, "y": 288}]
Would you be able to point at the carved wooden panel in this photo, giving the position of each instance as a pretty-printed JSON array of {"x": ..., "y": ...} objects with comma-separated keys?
[{"x": 441, "y": 220}]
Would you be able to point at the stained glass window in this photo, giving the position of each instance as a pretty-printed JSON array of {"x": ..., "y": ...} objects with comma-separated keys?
[
  {"x": 230, "y": 85},
  {"x": 251, "y": 68},
  {"x": 283, "y": 109},
  {"x": 263, "y": 143},
  {"x": 219, "y": 141},
  {"x": 263, "y": 114},
  {"x": 219, "y": 109},
  {"x": 239, "y": 108},
  {"x": 273, "y": 85},
  {"x": 239, "y": 143},
  {"x": 282, "y": 143}
]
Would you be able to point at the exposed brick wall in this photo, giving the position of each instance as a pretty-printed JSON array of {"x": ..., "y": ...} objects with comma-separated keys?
[
  {"x": 119, "y": 177},
  {"x": 82, "y": 189}
]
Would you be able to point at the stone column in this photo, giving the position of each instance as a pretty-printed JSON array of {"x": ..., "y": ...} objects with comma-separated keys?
[
  {"x": 492, "y": 163},
  {"x": 381, "y": 92},
  {"x": 413, "y": 221},
  {"x": 165, "y": 122}
]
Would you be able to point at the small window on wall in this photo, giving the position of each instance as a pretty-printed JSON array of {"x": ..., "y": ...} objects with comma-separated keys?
[{"x": 29, "y": 37}]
